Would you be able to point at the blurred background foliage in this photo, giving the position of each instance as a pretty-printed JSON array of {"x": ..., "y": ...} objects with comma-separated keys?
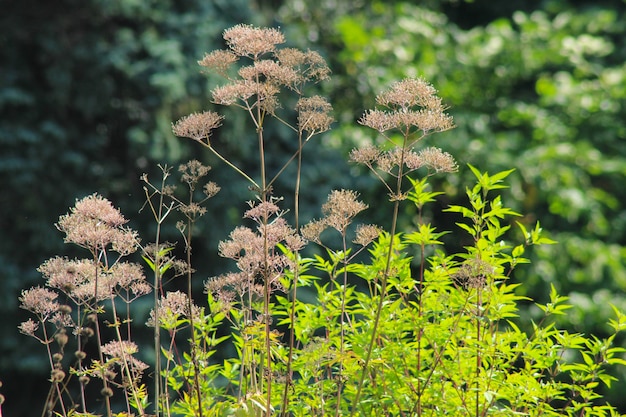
[{"x": 89, "y": 89}]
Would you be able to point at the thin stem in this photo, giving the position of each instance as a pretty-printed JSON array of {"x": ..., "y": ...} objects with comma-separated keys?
[
  {"x": 230, "y": 164},
  {"x": 292, "y": 312},
  {"x": 478, "y": 354},
  {"x": 194, "y": 347},
  {"x": 345, "y": 262},
  {"x": 55, "y": 386},
  {"x": 266, "y": 268},
  {"x": 107, "y": 400},
  {"x": 157, "y": 287},
  {"x": 383, "y": 285},
  {"x": 125, "y": 360}
]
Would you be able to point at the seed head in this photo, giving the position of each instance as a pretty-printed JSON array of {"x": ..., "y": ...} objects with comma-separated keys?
[
  {"x": 29, "y": 327},
  {"x": 40, "y": 301},
  {"x": 246, "y": 40},
  {"x": 313, "y": 229},
  {"x": 94, "y": 223},
  {"x": 173, "y": 307},
  {"x": 121, "y": 352},
  {"x": 197, "y": 126},
  {"x": 412, "y": 104},
  {"x": 437, "y": 160},
  {"x": 220, "y": 61},
  {"x": 193, "y": 171},
  {"x": 341, "y": 207},
  {"x": 366, "y": 233},
  {"x": 314, "y": 114},
  {"x": 366, "y": 155}
]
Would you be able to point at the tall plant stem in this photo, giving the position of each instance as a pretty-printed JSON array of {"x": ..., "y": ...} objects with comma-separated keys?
[
  {"x": 478, "y": 354},
  {"x": 194, "y": 346},
  {"x": 379, "y": 307},
  {"x": 230, "y": 164},
  {"x": 105, "y": 384},
  {"x": 159, "y": 217},
  {"x": 342, "y": 322},
  {"x": 125, "y": 359},
  {"x": 55, "y": 385},
  {"x": 294, "y": 294},
  {"x": 420, "y": 331},
  {"x": 266, "y": 269},
  {"x": 383, "y": 284}
]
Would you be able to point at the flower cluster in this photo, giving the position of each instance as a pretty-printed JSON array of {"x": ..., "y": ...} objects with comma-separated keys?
[
  {"x": 171, "y": 308},
  {"x": 197, "y": 126},
  {"x": 314, "y": 114},
  {"x": 120, "y": 353},
  {"x": 256, "y": 253},
  {"x": 412, "y": 104},
  {"x": 413, "y": 110},
  {"x": 94, "y": 223},
  {"x": 246, "y": 40},
  {"x": 258, "y": 83},
  {"x": 432, "y": 158},
  {"x": 339, "y": 211}
]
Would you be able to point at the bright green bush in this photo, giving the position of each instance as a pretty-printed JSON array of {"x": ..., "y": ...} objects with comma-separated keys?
[{"x": 330, "y": 317}]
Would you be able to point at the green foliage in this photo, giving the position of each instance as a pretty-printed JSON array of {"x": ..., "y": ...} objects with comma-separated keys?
[
  {"x": 533, "y": 86},
  {"x": 450, "y": 341}
]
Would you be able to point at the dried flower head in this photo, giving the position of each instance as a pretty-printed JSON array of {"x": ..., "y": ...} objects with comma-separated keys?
[
  {"x": 378, "y": 120},
  {"x": 366, "y": 233},
  {"x": 94, "y": 223},
  {"x": 246, "y": 40},
  {"x": 173, "y": 307},
  {"x": 228, "y": 286},
  {"x": 475, "y": 272},
  {"x": 437, "y": 160},
  {"x": 309, "y": 65},
  {"x": 99, "y": 208},
  {"x": 77, "y": 278},
  {"x": 191, "y": 211},
  {"x": 366, "y": 155},
  {"x": 240, "y": 92},
  {"x": 269, "y": 71},
  {"x": 313, "y": 229},
  {"x": 193, "y": 171},
  {"x": 410, "y": 92},
  {"x": 122, "y": 354},
  {"x": 126, "y": 241},
  {"x": 397, "y": 156},
  {"x": 40, "y": 301},
  {"x": 29, "y": 327},
  {"x": 220, "y": 61},
  {"x": 314, "y": 114},
  {"x": 262, "y": 211},
  {"x": 210, "y": 189},
  {"x": 129, "y": 276},
  {"x": 341, "y": 208},
  {"x": 412, "y": 104},
  {"x": 255, "y": 252},
  {"x": 295, "y": 242},
  {"x": 197, "y": 126}
]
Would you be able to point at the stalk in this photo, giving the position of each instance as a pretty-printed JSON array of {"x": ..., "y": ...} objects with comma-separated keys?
[
  {"x": 292, "y": 312},
  {"x": 383, "y": 285},
  {"x": 194, "y": 347}
]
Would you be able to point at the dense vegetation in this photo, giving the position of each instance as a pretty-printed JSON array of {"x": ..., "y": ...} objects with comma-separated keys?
[{"x": 87, "y": 105}]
